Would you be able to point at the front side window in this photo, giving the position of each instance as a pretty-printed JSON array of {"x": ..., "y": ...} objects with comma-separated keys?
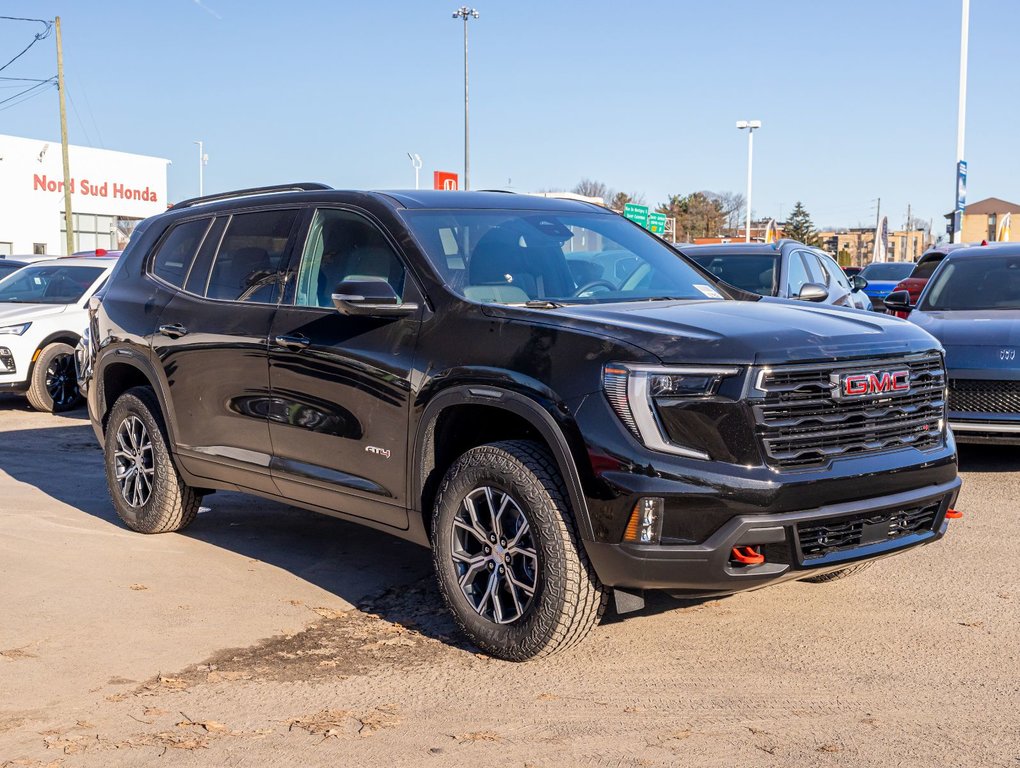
[
  {"x": 250, "y": 260},
  {"x": 517, "y": 256},
  {"x": 975, "y": 283},
  {"x": 798, "y": 276},
  {"x": 343, "y": 246},
  {"x": 49, "y": 284}
]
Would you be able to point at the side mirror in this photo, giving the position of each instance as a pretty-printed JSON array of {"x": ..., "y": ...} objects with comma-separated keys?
[
  {"x": 898, "y": 301},
  {"x": 813, "y": 292},
  {"x": 858, "y": 283},
  {"x": 371, "y": 298}
]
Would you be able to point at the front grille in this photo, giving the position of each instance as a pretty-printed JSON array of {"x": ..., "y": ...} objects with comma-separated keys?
[
  {"x": 982, "y": 396},
  {"x": 819, "y": 538},
  {"x": 801, "y": 424}
]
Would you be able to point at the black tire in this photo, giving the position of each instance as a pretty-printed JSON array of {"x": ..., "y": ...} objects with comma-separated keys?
[
  {"x": 159, "y": 500},
  {"x": 842, "y": 573},
  {"x": 54, "y": 386},
  {"x": 567, "y": 599}
]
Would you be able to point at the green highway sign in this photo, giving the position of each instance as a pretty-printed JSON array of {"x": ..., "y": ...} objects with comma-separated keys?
[
  {"x": 657, "y": 223},
  {"x": 636, "y": 213}
]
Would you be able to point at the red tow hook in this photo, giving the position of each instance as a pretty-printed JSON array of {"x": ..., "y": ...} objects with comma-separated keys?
[
  {"x": 952, "y": 514},
  {"x": 747, "y": 555}
]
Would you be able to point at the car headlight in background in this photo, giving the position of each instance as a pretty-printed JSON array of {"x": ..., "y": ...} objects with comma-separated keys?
[
  {"x": 633, "y": 389},
  {"x": 14, "y": 330}
]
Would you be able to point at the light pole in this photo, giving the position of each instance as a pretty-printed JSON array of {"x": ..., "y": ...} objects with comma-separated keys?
[
  {"x": 203, "y": 160},
  {"x": 751, "y": 126},
  {"x": 961, "y": 115},
  {"x": 416, "y": 164},
  {"x": 466, "y": 13}
]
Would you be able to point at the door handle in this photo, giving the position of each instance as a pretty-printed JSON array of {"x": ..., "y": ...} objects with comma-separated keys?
[
  {"x": 173, "y": 330},
  {"x": 294, "y": 343}
]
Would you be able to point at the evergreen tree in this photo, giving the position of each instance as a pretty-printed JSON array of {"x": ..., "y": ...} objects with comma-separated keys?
[{"x": 799, "y": 227}]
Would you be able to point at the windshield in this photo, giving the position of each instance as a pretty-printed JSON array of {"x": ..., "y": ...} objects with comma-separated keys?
[
  {"x": 892, "y": 270},
  {"x": 752, "y": 272},
  {"x": 513, "y": 257},
  {"x": 991, "y": 282},
  {"x": 50, "y": 284},
  {"x": 926, "y": 268}
]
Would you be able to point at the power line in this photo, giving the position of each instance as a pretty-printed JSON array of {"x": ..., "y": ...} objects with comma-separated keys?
[
  {"x": 36, "y": 87},
  {"x": 39, "y": 36}
]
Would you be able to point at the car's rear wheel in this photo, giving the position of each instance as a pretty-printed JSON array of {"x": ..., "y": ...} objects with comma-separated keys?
[
  {"x": 842, "y": 573},
  {"x": 509, "y": 562},
  {"x": 54, "y": 384},
  {"x": 148, "y": 493}
]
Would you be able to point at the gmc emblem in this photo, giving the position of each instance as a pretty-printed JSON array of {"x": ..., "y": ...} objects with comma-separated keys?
[{"x": 864, "y": 384}]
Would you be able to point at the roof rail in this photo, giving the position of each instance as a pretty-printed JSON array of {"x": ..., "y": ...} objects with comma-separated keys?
[{"x": 302, "y": 186}]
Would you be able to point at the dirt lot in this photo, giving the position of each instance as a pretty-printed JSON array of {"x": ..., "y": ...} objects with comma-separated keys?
[{"x": 270, "y": 636}]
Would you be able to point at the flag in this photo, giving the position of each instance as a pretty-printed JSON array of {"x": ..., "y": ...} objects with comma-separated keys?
[
  {"x": 1002, "y": 232},
  {"x": 771, "y": 231},
  {"x": 881, "y": 252}
]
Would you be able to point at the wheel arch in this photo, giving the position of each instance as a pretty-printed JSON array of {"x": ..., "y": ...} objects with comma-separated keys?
[
  {"x": 117, "y": 375},
  {"x": 510, "y": 415},
  {"x": 57, "y": 337}
]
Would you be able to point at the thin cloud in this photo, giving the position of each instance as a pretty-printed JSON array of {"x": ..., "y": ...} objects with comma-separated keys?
[{"x": 208, "y": 10}]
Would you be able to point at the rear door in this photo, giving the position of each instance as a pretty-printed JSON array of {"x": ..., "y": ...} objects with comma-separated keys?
[
  {"x": 341, "y": 383},
  {"x": 212, "y": 339}
]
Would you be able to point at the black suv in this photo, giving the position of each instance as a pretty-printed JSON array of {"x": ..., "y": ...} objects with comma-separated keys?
[{"x": 549, "y": 396}]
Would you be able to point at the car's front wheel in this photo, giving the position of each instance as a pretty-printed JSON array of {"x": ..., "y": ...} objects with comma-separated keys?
[
  {"x": 510, "y": 564},
  {"x": 54, "y": 384},
  {"x": 148, "y": 493}
]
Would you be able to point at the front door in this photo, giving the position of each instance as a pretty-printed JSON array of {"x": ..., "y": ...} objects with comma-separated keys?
[{"x": 340, "y": 383}]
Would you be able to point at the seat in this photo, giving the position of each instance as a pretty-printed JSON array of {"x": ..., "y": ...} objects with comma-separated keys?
[
  {"x": 498, "y": 260},
  {"x": 236, "y": 272}
]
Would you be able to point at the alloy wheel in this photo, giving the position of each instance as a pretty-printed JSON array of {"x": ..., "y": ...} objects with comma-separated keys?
[
  {"x": 494, "y": 555},
  {"x": 134, "y": 468},
  {"x": 61, "y": 381}
]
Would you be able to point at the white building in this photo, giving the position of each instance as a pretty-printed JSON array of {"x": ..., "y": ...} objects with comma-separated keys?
[{"x": 110, "y": 192}]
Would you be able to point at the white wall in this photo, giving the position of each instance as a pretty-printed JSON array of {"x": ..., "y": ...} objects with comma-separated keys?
[{"x": 103, "y": 182}]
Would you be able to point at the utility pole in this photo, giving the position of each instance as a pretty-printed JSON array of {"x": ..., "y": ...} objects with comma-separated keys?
[
  {"x": 68, "y": 219},
  {"x": 203, "y": 159},
  {"x": 466, "y": 13},
  {"x": 961, "y": 117},
  {"x": 910, "y": 238}
]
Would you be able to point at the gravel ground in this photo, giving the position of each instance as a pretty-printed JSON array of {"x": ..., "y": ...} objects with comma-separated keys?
[{"x": 269, "y": 636}]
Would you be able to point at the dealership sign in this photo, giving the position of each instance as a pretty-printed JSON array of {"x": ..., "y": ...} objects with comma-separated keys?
[
  {"x": 87, "y": 188},
  {"x": 445, "y": 180}
]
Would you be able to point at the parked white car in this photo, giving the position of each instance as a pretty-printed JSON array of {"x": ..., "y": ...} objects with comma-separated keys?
[{"x": 42, "y": 316}]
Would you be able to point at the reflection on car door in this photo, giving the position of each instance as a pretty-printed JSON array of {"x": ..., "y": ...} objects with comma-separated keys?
[
  {"x": 212, "y": 340},
  {"x": 341, "y": 383}
]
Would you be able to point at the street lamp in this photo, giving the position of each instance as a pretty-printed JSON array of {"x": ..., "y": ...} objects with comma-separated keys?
[
  {"x": 466, "y": 13},
  {"x": 203, "y": 160},
  {"x": 751, "y": 126},
  {"x": 416, "y": 164}
]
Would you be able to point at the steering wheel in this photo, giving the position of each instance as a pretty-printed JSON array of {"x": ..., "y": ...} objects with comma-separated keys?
[{"x": 593, "y": 284}]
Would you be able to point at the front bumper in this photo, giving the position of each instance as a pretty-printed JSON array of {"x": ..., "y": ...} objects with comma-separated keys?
[
  {"x": 15, "y": 361},
  {"x": 706, "y": 568}
]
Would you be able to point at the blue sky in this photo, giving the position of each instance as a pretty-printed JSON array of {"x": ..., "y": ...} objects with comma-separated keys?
[{"x": 858, "y": 99}]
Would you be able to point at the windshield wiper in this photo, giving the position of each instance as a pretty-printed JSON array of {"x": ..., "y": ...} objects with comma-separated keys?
[{"x": 542, "y": 304}]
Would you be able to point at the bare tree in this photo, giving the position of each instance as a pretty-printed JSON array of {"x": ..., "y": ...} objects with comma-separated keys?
[{"x": 591, "y": 188}]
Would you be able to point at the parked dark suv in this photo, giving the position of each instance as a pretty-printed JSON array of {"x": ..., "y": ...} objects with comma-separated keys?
[{"x": 462, "y": 370}]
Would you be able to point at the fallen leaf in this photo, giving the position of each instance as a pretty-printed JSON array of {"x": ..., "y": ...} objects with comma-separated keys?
[{"x": 138, "y": 587}]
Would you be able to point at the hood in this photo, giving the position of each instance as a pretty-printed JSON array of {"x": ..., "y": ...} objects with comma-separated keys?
[
  {"x": 742, "y": 332},
  {"x": 881, "y": 288},
  {"x": 981, "y": 340},
  {"x": 25, "y": 313}
]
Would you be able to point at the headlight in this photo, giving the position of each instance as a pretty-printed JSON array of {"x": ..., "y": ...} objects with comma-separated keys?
[
  {"x": 632, "y": 390},
  {"x": 14, "y": 330}
]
